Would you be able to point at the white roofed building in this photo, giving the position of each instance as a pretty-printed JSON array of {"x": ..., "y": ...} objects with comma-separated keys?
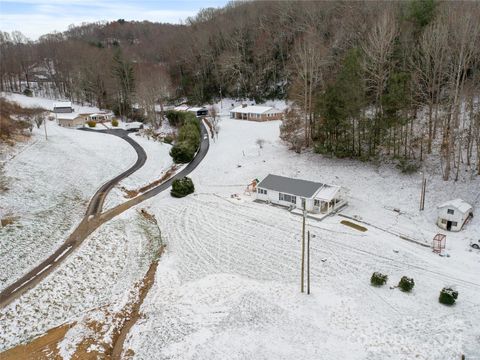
[
  {"x": 315, "y": 197},
  {"x": 62, "y": 107},
  {"x": 453, "y": 214},
  {"x": 256, "y": 113}
]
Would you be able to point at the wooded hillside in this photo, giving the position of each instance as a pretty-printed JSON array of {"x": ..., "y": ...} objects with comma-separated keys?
[{"x": 367, "y": 79}]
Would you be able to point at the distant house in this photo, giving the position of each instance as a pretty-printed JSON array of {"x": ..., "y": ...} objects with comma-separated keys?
[
  {"x": 198, "y": 111},
  {"x": 72, "y": 120},
  {"x": 453, "y": 214},
  {"x": 62, "y": 107},
  {"x": 256, "y": 113},
  {"x": 296, "y": 193},
  {"x": 100, "y": 117}
]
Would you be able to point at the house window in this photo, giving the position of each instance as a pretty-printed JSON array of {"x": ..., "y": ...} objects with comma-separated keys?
[
  {"x": 444, "y": 221},
  {"x": 450, "y": 211},
  {"x": 454, "y": 223},
  {"x": 288, "y": 198},
  {"x": 316, "y": 202},
  {"x": 261, "y": 191}
]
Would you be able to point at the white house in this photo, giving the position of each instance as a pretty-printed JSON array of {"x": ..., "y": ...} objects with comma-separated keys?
[
  {"x": 256, "y": 113},
  {"x": 100, "y": 117},
  {"x": 62, "y": 107},
  {"x": 296, "y": 193},
  {"x": 453, "y": 214}
]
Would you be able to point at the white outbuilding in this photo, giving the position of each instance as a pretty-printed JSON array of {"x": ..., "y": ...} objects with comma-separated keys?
[
  {"x": 315, "y": 197},
  {"x": 453, "y": 214}
]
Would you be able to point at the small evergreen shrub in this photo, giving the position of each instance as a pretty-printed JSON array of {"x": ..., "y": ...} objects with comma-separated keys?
[
  {"x": 406, "y": 284},
  {"x": 114, "y": 122},
  {"x": 91, "y": 123},
  {"x": 378, "y": 279},
  {"x": 28, "y": 92},
  {"x": 182, "y": 187},
  {"x": 448, "y": 296},
  {"x": 182, "y": 153},
  {"x": 408, "y": 166},
  {"x": 168, "y": 139}
]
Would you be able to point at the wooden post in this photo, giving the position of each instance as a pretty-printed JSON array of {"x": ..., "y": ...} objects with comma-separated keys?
[
  {"x": 308, "y": 263},
  {"x": 303, "y": 252}
]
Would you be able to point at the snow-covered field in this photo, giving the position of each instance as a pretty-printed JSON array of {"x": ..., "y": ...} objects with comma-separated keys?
[
  {"x": 229, "y": 285},
  {"x": 50, "y": 183},
  {"x": 102, "y": 273}
]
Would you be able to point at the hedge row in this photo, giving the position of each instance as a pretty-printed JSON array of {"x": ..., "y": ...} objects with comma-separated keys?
[{"x": 188, "y": 139}]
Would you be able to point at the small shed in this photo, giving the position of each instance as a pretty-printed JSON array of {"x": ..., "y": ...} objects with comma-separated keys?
[
  {"x": 256, "y": 113},
  {"x": 315, "y": 197},
  {"x": 62, "y": 107},
  {"x": 453, "y": 214}
]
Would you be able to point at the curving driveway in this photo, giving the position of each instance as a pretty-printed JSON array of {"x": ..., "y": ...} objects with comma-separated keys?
[{"x": 94, "y": 216}]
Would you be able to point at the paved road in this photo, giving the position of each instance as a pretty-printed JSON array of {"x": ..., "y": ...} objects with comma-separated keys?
[
  {"x": 91, "y": 223},
  {"x": 96, "y": 203}
]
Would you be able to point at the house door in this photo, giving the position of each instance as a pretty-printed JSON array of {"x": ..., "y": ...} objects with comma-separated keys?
[
  {"x": 303, "y": 203},
  {"x": 449, "y": 225}
]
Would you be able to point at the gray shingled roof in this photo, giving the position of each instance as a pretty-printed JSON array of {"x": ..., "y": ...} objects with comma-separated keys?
[{"x": 287, "y": 185}]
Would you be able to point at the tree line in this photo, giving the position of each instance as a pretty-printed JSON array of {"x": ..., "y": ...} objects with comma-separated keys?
[{"x": 365, "y": 78}]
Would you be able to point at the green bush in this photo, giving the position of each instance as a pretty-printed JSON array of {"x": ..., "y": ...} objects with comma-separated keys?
[
  {"x": 188, "y": 140},
  {"x": 168, "y": 139},
  {"x": 182, "y": 153},
  {"x": 182, "y": 187},
  {"x": 91, "y": 123},
  {"x": 378, "y": 279},
  {"x": 448, "y": 296},
  {"x": 408, "y": 166},
  {"x": 28, "y": 92},
  {"x": 175, "y": 118},
  {"x": 114, "y": 122},
  {"x": 406, "y": 284}
]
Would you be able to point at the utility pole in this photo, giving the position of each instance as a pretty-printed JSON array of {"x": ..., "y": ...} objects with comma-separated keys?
[
  {"x": 303, "y": 251},
  {"x": 422, "y": 194},
  {"x": 45, "y": 126},
  {"x": 308, "y": 263}
]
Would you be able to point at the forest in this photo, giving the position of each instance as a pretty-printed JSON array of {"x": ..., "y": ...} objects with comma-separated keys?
[{"x": 365, "y": 79}]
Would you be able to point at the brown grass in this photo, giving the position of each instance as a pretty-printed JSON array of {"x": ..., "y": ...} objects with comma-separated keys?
[
  {"x": 129, "y": 194},
  {"x": 353, "y": 225}
]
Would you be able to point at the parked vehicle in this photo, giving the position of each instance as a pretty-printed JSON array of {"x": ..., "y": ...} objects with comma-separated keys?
[{"x": 475, "y": 245}]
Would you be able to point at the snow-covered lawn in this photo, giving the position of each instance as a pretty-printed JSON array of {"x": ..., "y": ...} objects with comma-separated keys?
[
  {"x": 229, "y": 284},
  {"x": 50, "y": 184},
  {"x": 101, "y": 273}
]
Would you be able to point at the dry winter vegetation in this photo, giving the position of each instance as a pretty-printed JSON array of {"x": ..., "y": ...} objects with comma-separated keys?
[{"x": 380, "y": 95}]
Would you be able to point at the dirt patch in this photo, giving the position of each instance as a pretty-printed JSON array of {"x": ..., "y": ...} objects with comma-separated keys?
[
  {"x": 147, "y": 283},
  {"x": 9, "y": 220},
  {"x": 42, "y": 348},
  {"x": 353, "y": 225}
]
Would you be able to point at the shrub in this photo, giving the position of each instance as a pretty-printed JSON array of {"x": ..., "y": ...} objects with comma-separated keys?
[
  {"x": 378, "y": 279},
  {"x": 175, "y": 118},
  {"x": 408, "y": 166},
  {"x": 28, "y": 92},
  {"x": 182, "y": 187},
  {"x": 448, "y": 296},
  {"x": 114, "y": 122},
  {"x": 182, "y": 153},
  {"x": 406, "y": 284},
  {"x": 168, "y": 139},
  {"x": 91, "y": 123}
]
